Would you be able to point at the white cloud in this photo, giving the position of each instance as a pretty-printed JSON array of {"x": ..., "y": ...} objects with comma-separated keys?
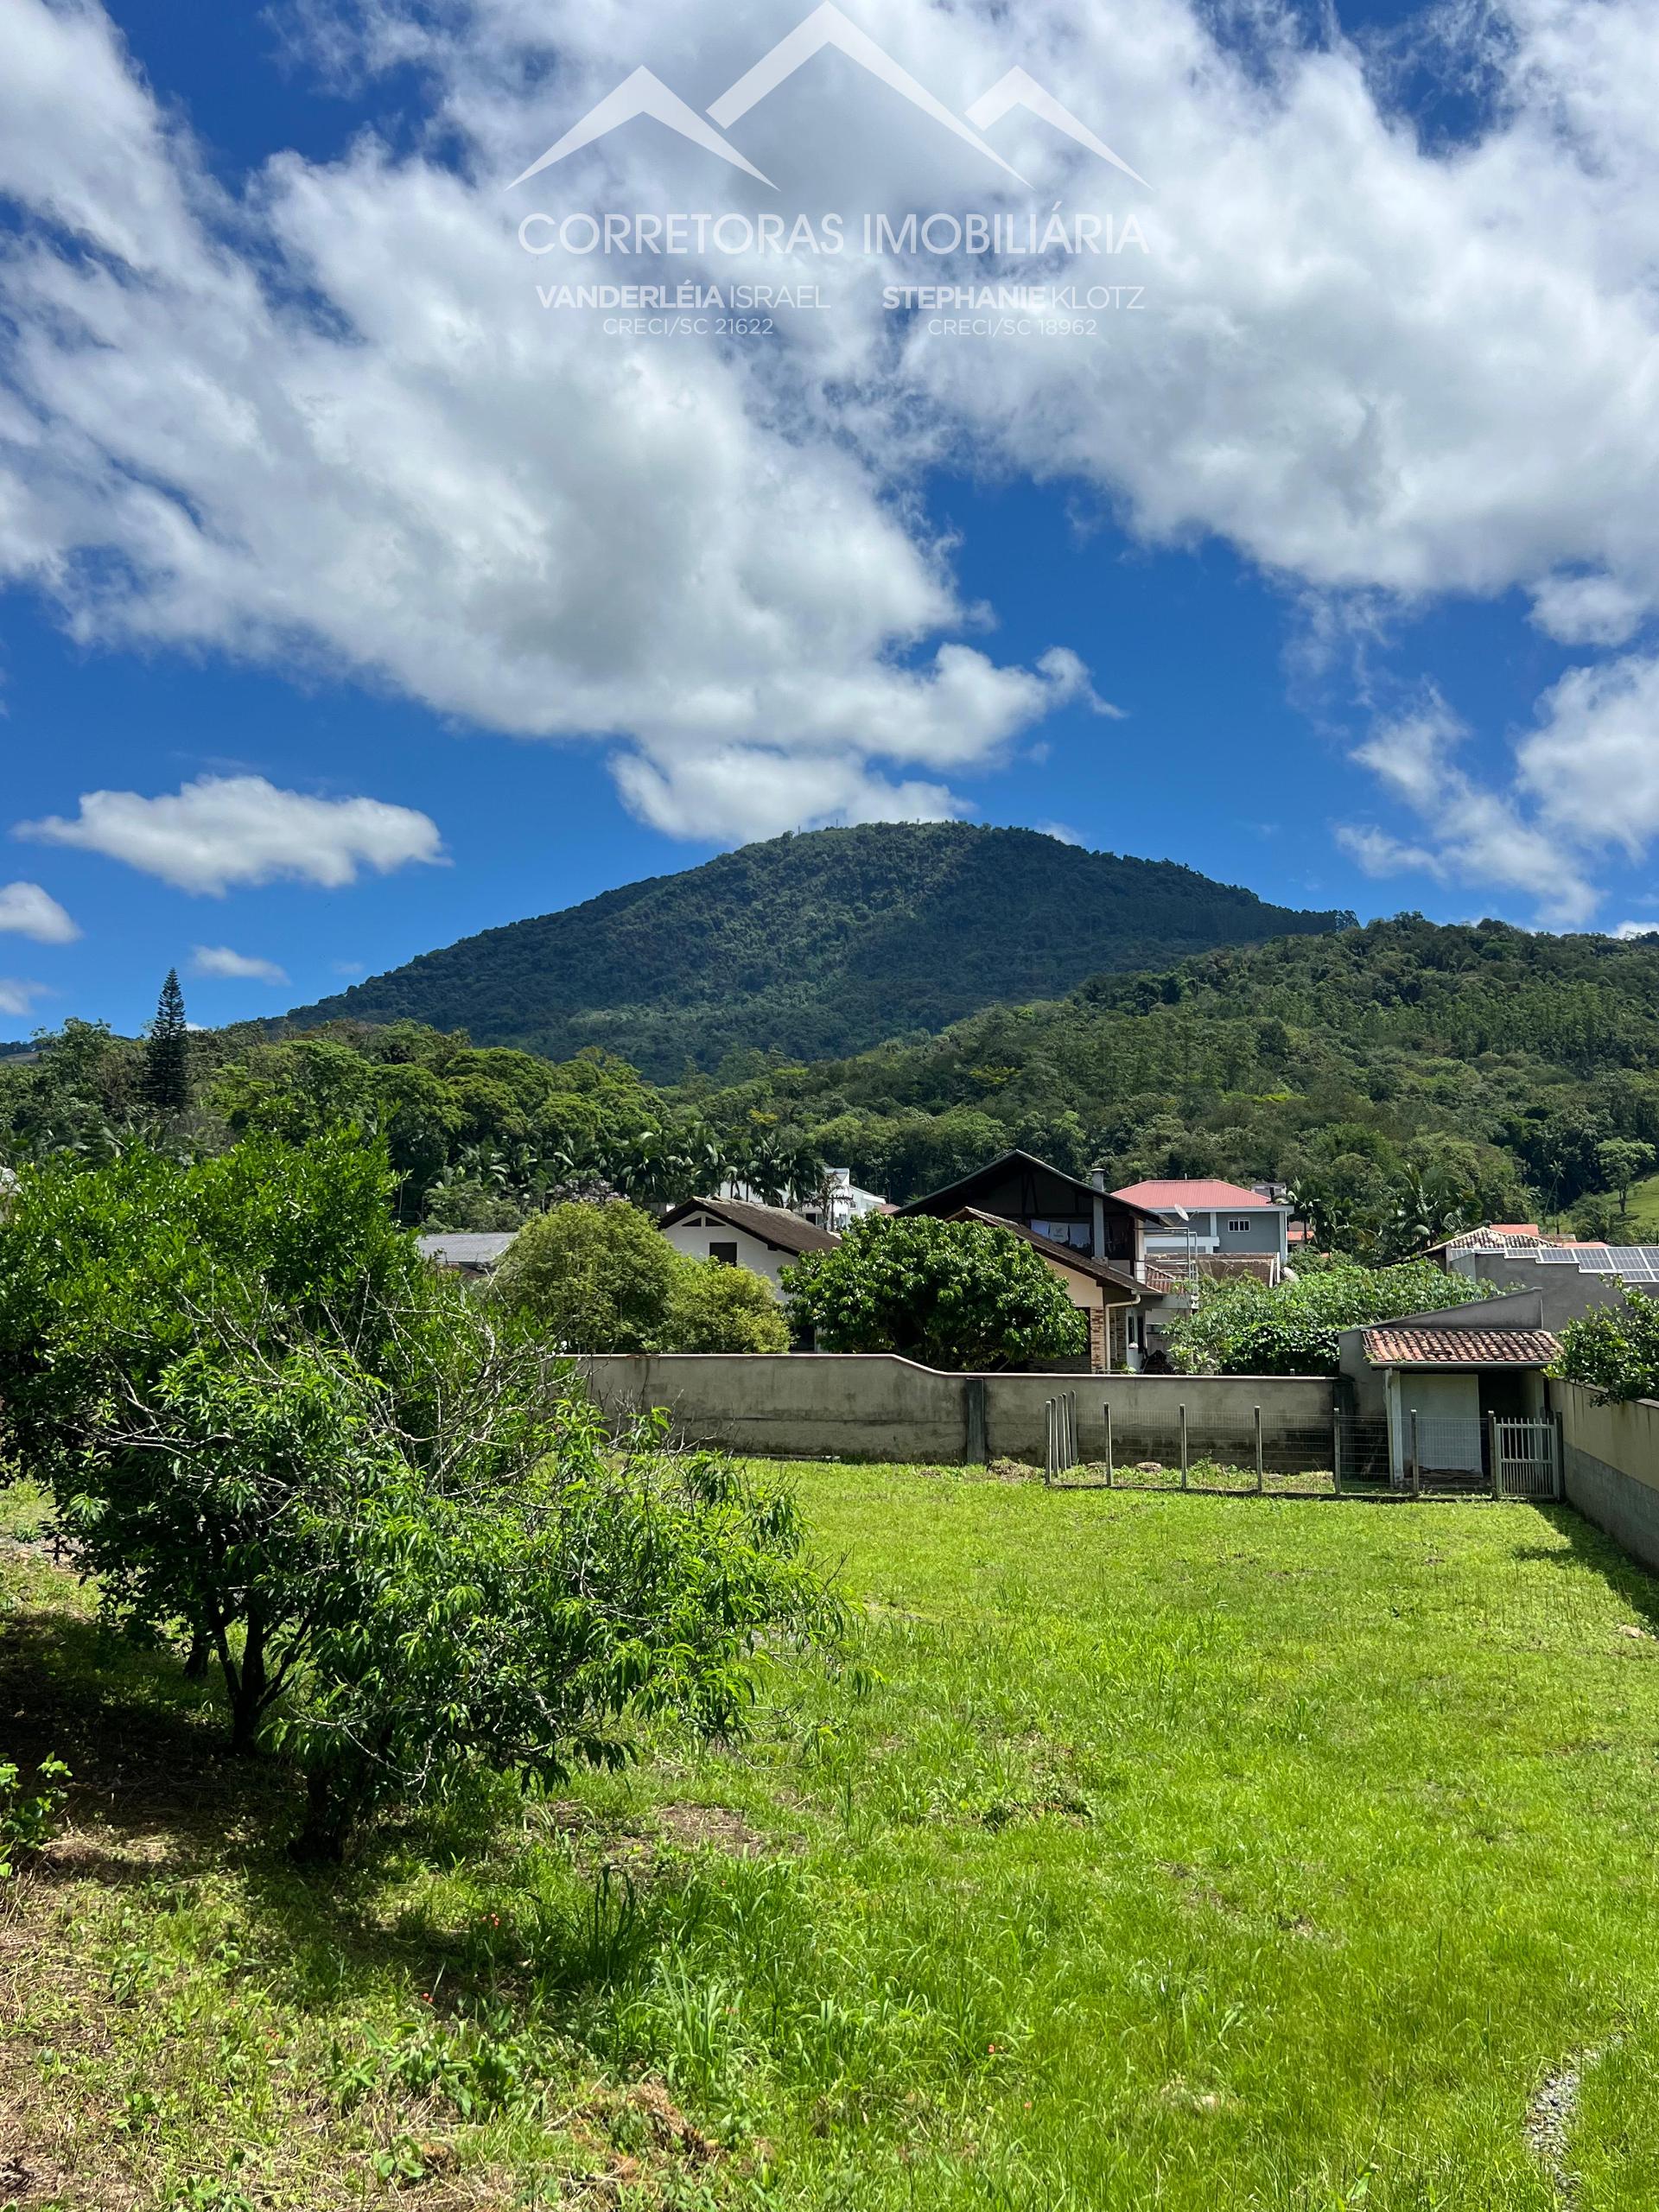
[
  {"x": 1587, "y": 610},
  {"x": 18, "y": 998},
  {"x": 1626, "y": 931},
  {"x": 330, "y": 421},
  {"x": 1593, "y": 769},
  {"x": 222, "y": 830},
  {"x": 242, "y": 967},
  {"x": 1585, "y": 783},
  {"x": 27, "y": 911}
]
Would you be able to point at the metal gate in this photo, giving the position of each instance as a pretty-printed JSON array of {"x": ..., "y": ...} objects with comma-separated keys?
[{"x": 1525, "y": 1458}]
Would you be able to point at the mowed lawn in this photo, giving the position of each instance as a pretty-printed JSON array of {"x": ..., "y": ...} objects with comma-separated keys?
[{"x": 1150, "y": 1851}]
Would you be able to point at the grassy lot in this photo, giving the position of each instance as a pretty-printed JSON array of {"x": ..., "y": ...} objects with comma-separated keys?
[
  {"x": 1641, "y": 1223},
  {"x": 1159, "y": 1851}
]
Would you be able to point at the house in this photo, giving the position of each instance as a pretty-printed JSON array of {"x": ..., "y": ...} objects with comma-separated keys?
[
  {"x": 764, "y": 1239},
  {"x": 1570, "y": 1276},
  {"x": 1108, "y": 1295},
  {"x": 1065, "y": 1209},
  {"x": 1092, "y": 1240},
  {"x": 840, "y": 1202},
  {"x": 1204, "y": 1218},
  {"x": 469, "y": 1252}
]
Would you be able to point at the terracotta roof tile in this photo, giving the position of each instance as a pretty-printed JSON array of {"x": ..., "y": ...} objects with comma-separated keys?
[
  {"x": 1201, "y": 1195},
  {"x": 1411, "y": 1346}
]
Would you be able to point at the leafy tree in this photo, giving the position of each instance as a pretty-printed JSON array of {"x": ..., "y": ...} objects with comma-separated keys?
[
  {"x": 183, "y": 1350},
  {"x": 949, "y": 1293},
  {"x": 166, "y": 1054},
  {"x": 1597, "y": 1220},
  {"x": 713, "y": 1308},
  {"x": 409, "y": 1540},
  {"x": 1245, "y": 1328},
  {"x": 520, "y": 1610},
  {"x": 1615, "y": 1350},
  {"x": 591, "y": 1278},
  {"x": 1622, "y": 1161}
]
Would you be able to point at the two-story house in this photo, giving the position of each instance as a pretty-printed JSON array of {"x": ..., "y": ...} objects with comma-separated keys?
[
  {"x": 1094, "y": 1241},
  {"x": 1202, "y": 1219}
]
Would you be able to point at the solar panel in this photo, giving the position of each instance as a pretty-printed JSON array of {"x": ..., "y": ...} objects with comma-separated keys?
[{"x": 1555, "y": 1256}]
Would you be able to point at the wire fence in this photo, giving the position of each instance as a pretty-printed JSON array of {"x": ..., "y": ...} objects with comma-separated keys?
[{"x": 1356, "y": 1456}]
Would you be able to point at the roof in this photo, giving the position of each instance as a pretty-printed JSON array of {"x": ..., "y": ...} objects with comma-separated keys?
[
  {"x": 1063, "y": 1256},
  {"x": 1203, "y": 1194},
  {"x": 774, "y": 1225},
  {"x": 1398, "y": 1346},
  {"x": 939, "y": 1201},
  {"x": 466, "y": 1247}
]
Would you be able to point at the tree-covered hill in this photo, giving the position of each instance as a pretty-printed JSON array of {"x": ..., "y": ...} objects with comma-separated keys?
[
  {"x": 1399, "y": 1077},
  {"x": 813, "y": 945},
  {"x": 1357, "y": 1066}
]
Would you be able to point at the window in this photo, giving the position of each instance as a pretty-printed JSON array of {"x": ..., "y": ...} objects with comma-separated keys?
[
  {"x": 1238, "y": 1228},
  {"x": 725, "y": 1254},
  {"x": 1078, "y": 1234}
]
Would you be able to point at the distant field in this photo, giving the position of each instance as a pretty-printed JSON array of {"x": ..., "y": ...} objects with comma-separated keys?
[
  {"x": 1249, "y": 1855},
  {"x": 1641, "y": 1225}
]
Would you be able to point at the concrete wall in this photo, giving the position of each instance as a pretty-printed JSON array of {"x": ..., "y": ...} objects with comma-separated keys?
[
  {"x": 1610, "y": 1463},
  {"x": 1566, "y": 1293},
  {"x": 825, "y": 1405}
]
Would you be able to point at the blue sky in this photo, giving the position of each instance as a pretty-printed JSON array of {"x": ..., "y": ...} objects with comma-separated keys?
[{"x": 1333, "y": 619}]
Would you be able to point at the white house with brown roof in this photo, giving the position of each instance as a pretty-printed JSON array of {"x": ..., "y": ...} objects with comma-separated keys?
[{"x": 764, "y": 1239}]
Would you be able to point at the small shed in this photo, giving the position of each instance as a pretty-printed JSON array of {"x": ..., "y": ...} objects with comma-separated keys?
[{"x": 1443, "y": 1385}]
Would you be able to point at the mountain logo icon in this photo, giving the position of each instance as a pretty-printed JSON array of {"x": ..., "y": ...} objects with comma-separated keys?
[{"x": 644, "y": 93}]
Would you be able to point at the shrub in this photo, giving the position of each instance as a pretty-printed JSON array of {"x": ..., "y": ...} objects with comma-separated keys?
[
  {"x": 1615, "y": 1350},
  {"x": 949, "y": 1293},
  {"x": 1244, "y": 1328},
  {"x": 407, "y": 1538},
  {"x": 591, "y": 1278},
  {"x": 27, "y": 1821},
  {"x": 713, "y": 1307}
]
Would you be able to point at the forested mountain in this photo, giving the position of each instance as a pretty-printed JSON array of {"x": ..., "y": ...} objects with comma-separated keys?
[
  {"x": 1398, "y": 1064},
  {"x": 1403, "y": 1077},
  {"x": 817, "y": 944}
]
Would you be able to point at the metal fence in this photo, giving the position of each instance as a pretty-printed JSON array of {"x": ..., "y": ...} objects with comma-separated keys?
[
  {"x": 1354, "y": 1457},
  {"x": 1436, "y": 1457},
  {"x": 1188, "y": 1455}
]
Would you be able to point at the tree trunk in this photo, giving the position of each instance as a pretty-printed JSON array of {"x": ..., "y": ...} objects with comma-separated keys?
[
  {"x": 248, "y": 1692},
  {"x": 321, "y": 1841},
  {"x": 195, "y": 1663}
]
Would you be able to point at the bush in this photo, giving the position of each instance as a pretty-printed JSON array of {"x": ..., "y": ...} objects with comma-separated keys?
[
  {"x": 593, "y": 1278},
  {"x": 713, "y": 1307},
  {"x": 271, "y": 1429},
  {"x": 27, "y": 1821},
  {"x": 1244, "y": 1328},
  {"x": 1615, "y": 1351},
  {"x": 949, "y": 1293}
]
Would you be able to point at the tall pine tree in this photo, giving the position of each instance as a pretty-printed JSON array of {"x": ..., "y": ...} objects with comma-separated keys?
[{"x": 167, "y": 1055}]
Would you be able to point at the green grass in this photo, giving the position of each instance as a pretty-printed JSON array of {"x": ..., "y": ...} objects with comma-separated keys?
[
  {"x": 1159, "y": 1852},
  {"x": 1641, "y": 1222}
]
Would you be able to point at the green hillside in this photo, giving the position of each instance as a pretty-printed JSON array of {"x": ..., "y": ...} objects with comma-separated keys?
[
  {"x": 815, "y": 945},
  {"x": 1491, "y": 1057}
]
